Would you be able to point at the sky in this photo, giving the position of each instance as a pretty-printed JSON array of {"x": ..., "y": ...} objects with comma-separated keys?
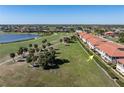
[{"x": 61, "y": 14}]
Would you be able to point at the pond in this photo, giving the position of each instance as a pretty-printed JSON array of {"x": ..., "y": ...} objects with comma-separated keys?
[{"x": 7, "y": 38}]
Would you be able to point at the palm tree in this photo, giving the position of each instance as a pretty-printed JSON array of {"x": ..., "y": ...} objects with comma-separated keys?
[
  {"x": 44, "y": 41},
  {"x": 12, "y": 55},
  {"x": 43, "y": 46},
  {"x": 73, "y": 37},
  {"x": 31, "y": 51},
  {"x": 60, "y": 40},
  {"x": 20, "y": 51},
  {"x": 36, "y": 47},
  {"x": 30, "y": 56},
  {"x": 30, "y": 45},
  {"x": 29, "y": 59},
  {"x": 49, "y": 44},
  {"x": 25, "y": 50},
  {"x": 52, "y": 55},
  {"x": 66, "y": 39},
  {"x": 42, "y": 59}
]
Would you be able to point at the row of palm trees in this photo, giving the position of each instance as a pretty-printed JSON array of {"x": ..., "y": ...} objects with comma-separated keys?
[
  {"x": 68, "y": 39},
  {"x": 43, "y": 56}
]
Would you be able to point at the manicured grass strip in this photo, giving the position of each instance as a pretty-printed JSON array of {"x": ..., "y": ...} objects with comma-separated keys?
[{"x": 84, "y": 73}]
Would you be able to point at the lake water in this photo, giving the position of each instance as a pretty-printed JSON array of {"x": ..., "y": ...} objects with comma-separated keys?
[{"x": 7, "y": 38}]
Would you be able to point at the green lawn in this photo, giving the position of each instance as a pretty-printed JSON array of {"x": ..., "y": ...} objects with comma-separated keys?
[
  {"x": 5, "y": 49},
  {"x": 77, "y": 72}
]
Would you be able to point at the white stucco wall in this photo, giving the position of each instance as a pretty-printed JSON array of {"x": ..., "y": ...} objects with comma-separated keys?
[
  {"x": 78, "y": 30},
  {"x": 80, "y": 36},
  {"x": 83, "y": 40},
  {"x": 120, "y": 68},
  {"x": 90, "y": 45},
  {"x": 103, "y": 55}
]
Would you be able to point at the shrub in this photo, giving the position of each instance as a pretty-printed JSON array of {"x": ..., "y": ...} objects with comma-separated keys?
[
  {"x": 30, "y": 45},
  {"x": 12, "y": 55},
  {"x": 44, "y": 41},
  {"x": 60, "y": 40},
  {"x": 29, "y": 59},
  {"x": 35, "y": 45}
]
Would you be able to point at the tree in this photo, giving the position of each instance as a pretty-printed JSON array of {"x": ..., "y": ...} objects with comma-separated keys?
[
  {"x": 43, "y": 46},
  {"x": 121, "y": 38},
  {"x": 29, "y": 59},
  {"x": 99, "y": 31},
  {"x": 12, "y": 55},
  {"x": 60, "y": 40},
  {"x": 30, "y": 45},
  {"x": 25, "y": 50},
  {"x": 36, "y": 47},
  {"x": 52, "y": 55},
  {"x": 46, "y": 58},
  {"x": 66, "y": 39},
  {"x": 42, "y": 59},
  {"x": 52, "y": 51},
  {"x": 73, "y": 37},
  {"x": 20, "y": 51},
  {"x": 49, "y": 44},
  {"x": 31, "y": 53},
  {"x": 30, "y": 56},
  {"x": 44, "y": 41},
  {"x": 79, "y": 28}
]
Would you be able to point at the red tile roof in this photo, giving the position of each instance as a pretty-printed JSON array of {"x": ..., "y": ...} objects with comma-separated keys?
[
  {"x": 112, "y": 49},
  {"x": 96, "y": 41},
  {"x": 120, "y": 61},
  {"x": 82, "y": 33},
  {"x": 109, "y": 32},
  {"x": 88, "y": 36}
]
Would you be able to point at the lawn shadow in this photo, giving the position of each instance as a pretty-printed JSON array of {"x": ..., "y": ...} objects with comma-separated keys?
[
  {"x": 61, "y": 61},
  {"x": 67, "y": 45},
  {"x": 58, "y": 52},
  {"x": 56, "y": 64},
  {"x": 72, "y": 42},
  {"x": 21, "y": 60},
  {"x": 57, "y": 49}
]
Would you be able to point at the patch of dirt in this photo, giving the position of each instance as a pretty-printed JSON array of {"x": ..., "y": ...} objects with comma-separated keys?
[
  {"x": 9, "y": 71},
  {"x": 10, "y": 67},
  {"x": 4, "y": 59}
]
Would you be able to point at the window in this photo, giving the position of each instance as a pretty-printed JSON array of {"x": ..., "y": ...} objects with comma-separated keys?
[{"x": 121, "y": 49}]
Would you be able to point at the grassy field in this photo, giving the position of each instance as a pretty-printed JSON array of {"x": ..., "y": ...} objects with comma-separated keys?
[
  {"x": 5, "y": 49},
  {"x": 76, "y": 71}
]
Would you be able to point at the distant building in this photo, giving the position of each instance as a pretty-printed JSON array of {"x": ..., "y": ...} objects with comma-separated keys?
[
  {"x": 78, "y": 30},
  {"x": 109, "y": 33}
]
